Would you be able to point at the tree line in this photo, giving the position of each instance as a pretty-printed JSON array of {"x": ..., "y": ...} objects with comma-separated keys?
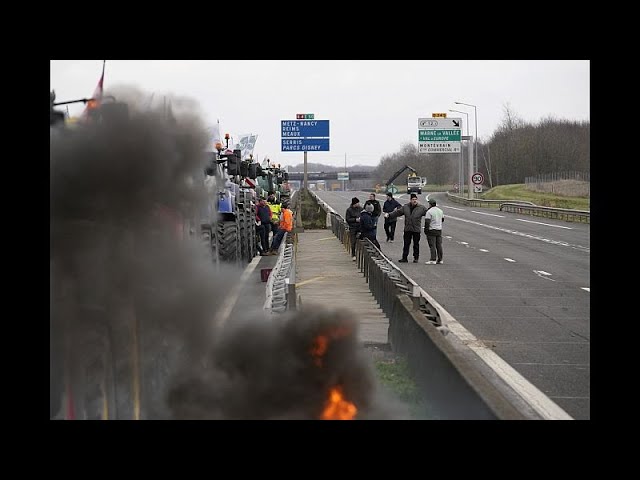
[{"x": 516, "y": 150}]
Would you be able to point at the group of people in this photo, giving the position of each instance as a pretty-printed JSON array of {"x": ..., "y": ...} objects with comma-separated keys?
[
  {"x": 275, "y": 217},
  {"x": 363, "y": 223}
]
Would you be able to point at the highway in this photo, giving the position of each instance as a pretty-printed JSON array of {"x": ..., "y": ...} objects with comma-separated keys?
[{"x": 520, "y": 284}]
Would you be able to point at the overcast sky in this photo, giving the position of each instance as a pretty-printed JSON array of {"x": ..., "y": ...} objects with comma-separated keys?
[{"x": 373, "y": 106}]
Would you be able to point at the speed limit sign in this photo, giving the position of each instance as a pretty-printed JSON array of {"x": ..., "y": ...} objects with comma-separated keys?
[{"x": 477, "y": 178}]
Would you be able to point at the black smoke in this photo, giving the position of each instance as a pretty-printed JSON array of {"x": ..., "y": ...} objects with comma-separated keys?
[{"x": 134, "y": 294}]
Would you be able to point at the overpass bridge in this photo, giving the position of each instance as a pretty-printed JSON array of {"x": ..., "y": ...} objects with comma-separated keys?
[{"x": 313, "y": 176}]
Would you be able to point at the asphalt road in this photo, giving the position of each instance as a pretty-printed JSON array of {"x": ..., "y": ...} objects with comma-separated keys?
[{"x": 519, "y": 283}]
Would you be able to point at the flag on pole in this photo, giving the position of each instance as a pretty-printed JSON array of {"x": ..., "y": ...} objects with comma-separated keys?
[
  {"x": 216, "y": 137},
  {"x": 247, "y": 144},
  {"x": 97, "y": 95}
]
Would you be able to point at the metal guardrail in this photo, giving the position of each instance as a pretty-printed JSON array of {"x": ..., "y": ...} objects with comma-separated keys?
[
  {"x": 460, "y": 379},
  {"x": 525, "y": 208},
  {"x": 277, "y": 289},
  {"x": 385, "y": 279},
  {"x": 280, "y": 288},
  {"x": 567, "y": 214},
  {"x": 480, "y": 202}
]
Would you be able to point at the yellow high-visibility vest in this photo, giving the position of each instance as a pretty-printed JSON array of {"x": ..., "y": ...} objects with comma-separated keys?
[{"x": 275, "y": 211}]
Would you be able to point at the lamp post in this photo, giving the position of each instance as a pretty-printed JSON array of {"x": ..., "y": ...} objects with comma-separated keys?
[
  {"x": 464, "y": 113},
  {"x": 344, "y": 182},
  {"x": 461, "y": 167},
  {"x": 475, "y": 139}
]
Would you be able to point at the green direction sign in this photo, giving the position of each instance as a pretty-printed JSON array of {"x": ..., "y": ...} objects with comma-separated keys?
[
  {"x": 439, "y": 136},
  {"x": 392, "y": 189}
]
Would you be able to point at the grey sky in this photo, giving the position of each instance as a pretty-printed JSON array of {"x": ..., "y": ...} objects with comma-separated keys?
[{"x": 373, "y": 105}]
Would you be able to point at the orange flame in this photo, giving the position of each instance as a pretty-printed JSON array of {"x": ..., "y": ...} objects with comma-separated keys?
[
  {"x": 320, "y": 344},
  {"x": 337, "y": 408},
  {"x": 319, "y": 348}
]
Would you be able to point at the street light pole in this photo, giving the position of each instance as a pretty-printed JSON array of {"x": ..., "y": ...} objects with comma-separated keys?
[
  {"x": 344, "y": 182},
  {"x": 464, "y": 113},
  {"x": 475, "y": 140},
  {"x": 461, "y": 161}
]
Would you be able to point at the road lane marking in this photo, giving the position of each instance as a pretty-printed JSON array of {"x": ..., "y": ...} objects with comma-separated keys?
[
  {"x": 543, "y": 274},
  {"x": 490, "y": 214},
  {"x": 224, "y": 313},
  {"x": 527, "y": 235},
  {"x": 547, "y": 224}
]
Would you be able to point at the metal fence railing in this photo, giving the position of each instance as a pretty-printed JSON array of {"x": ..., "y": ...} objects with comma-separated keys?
[
  {"x": 459, "y": 382},
  {"x": 567, "y": 214},
  {"x": 525, "y": 208},
  {"x": 385, "y": 279},
  {"x": 280, "y": 288}
]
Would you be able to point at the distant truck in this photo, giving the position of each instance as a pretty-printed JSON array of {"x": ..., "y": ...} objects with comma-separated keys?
[{"x": 414, "y": 184}]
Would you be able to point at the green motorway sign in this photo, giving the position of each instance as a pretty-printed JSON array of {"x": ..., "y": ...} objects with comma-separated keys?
[{"x": 439, "y": 135}]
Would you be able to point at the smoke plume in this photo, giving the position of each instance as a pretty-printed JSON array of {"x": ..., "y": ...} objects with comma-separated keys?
[{"x": 134, "y": 293}]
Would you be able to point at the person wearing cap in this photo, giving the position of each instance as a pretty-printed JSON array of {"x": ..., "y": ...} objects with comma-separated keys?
[
  {"x": 389, "y": 206},
  {"x": 352, "y": 217},
  {"x": 433, "y": 230},
  {"x": 413, "y": 213}
]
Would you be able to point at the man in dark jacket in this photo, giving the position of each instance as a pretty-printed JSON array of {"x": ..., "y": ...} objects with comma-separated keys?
[
  {"x": 263, "y": 222},
  {"x": 413, "y": 213},
  {"x": 389, "y": 206},
  {"x": 368, "y": 227},
  {"x": 377, "y": 209},
  {"x": 352, "y": 217}
]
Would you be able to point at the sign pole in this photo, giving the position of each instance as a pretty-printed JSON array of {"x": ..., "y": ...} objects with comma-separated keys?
[
  {"x": 344, "y": 182},
  {"x": 306, "y": 185},
  {"x": 470, "y": 173}
]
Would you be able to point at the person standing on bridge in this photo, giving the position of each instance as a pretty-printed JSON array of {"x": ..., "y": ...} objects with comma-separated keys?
[
  {"x": 275, "y": 213},
  {"x": 263, "y": 222},
  {"x": 377, "y": 209},
  {"x": 389, "y": 206},
  {"x": 413, "y": 213},
  {"x": 368, "y": 225},
  {"x": 285, "y": 226},
  {"x": 352, "y": 217},
  {"x": 433, "y": 230}
]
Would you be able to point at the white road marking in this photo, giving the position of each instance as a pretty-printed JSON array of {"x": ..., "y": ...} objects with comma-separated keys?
[
  {"x": 490, "y": 214},
  {"x": 509, "y": 259},
  {"x": 454, "y": 208},
  {"x": 543, "y": 274},
  {"x": 463, "y": 243},
  {"x": 547, "y": 224},
  {"x": 556, "y": 365},
  {"x": 536, "y": 399},
  {"x": 527, "y": 235},
  {"x": 483, "y": 250},
  {"x": 586, "y": 289},
  {"x": 224, "y": 313}
]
